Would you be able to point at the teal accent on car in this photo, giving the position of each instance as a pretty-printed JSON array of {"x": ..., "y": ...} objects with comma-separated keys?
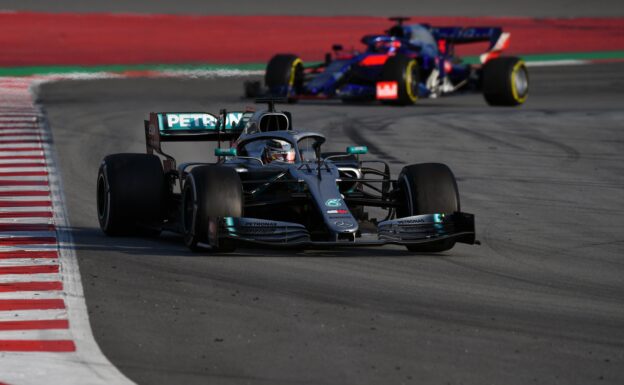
[
  {"x": 333, "y": 202},
  {"x": 357, "y": 150},
  {"x": 225, "y": 151},
  {"x": 170, "y": 122}
]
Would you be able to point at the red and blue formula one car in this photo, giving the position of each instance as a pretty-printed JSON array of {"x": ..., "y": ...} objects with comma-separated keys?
[{"x": 406, "y": 63}]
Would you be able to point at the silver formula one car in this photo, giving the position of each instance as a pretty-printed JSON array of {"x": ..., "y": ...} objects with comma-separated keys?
[{"x": 274, "y": 186}]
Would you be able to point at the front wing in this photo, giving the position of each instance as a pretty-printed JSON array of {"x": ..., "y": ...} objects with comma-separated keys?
[{"x": 414, "y": 230}]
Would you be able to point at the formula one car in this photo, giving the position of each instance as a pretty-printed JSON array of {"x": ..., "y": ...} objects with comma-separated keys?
[
  {"x": 274, "y": 187},
  {"x": 398, "y": 67}
]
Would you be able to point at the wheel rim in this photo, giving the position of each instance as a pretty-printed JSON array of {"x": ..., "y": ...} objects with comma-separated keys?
[
  {"x": 411, "y": 81},
  {"x": 520, "y": 82}
]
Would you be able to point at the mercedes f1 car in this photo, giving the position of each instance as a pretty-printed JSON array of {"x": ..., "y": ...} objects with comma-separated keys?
[
  {"x": 274, "y": 186},
  {"x": 406, "y": 63}
]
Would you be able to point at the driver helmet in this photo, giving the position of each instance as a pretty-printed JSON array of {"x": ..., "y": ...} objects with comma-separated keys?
[{"x": 279, "y": 150}]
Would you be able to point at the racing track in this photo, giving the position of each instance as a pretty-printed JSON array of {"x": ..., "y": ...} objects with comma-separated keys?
[{"x": 540, "y": 301}]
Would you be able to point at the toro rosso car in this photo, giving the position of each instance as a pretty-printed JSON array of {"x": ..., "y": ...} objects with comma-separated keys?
[
  {"x": 406, "y": 63},
  {"x": 274, "y": 187}
]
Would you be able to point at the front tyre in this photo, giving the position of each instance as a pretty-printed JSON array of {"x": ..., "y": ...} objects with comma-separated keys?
[
  {"x": 210, "y": 193},
  {"x": 428, "y": 188},
  {"x": 130, "y": 193},
  {"x": 505, "y": 81},
  {"x": 405, "y": 72}
]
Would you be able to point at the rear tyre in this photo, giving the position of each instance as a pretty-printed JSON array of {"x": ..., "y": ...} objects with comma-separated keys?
[
  {"x": 405, "y": 72},
  {"x": 210, "y": 192},
  {"x": 428, "y": 188},
  {"x": 284, "y": 75},
  {"x": 505, "y": 81},
  {"x": 130, "y": 194}
]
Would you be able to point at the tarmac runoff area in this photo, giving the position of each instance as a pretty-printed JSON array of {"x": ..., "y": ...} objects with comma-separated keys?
[{"x": 540, "y": 301}]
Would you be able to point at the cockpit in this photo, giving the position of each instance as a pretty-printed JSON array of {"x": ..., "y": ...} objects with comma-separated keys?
[{"x": 281, "y": 149}]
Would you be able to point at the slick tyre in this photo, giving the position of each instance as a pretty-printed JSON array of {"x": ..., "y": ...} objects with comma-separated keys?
[
  {"x": 284, "y": 76},
  {"x": 405, "y": 72},
  {"x": 505, "y": 82},
  {"x": 428, "y": 188},
  {"x": 130, "y": 194},
  {"x": 210, "y": 193}
]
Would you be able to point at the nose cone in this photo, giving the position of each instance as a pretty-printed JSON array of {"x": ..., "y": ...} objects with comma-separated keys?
[{"x": 338, "y": 218}]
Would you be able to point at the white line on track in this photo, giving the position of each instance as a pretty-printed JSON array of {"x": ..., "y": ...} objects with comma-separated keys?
[{"x": 553, "y": 63}]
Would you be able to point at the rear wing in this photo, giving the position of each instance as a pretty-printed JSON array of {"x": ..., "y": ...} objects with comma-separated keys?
[
  {"x": 192, "y": 127},
  {"x": 461, "y": 35},
  {"x": 498, "y": 39}
]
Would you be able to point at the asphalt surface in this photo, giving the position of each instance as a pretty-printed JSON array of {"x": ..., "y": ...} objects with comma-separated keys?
[
  {"x": 531, "y": 8},
  {"x": 540, "y": 301}
]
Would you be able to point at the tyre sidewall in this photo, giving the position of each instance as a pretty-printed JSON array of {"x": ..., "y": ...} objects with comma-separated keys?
[
  {"x": 404, "y": 71},
  {"x": 499, "y": 77}
]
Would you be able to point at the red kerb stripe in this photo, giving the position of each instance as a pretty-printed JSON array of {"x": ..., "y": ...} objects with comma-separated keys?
[
  {"x": 21, "y": 149},
  {"x": 24, "y": 173},
  {"x": 27, "y": 254},
  {"x": 20, "y": 141},
  {"x": 35, "y": 325},
  {"x": 3, "y": 134},
  {"x": 20, "y": 165},
  {"x": 27, "y": 227},
  {"x": 31, "y": 304},
  {"x": 27, "y": 214},
  {"x": 34, "y": 269},
  {"x": 22, "y": 156},
  {"x": 31, "y": 286},
  {"x": 24, "y": 203},
  {"x": 21, "y": 241},
  {"x": 23, "y": 183},
  {"x": 24, "y": 193},
  {"x": 57, "y": 346}
]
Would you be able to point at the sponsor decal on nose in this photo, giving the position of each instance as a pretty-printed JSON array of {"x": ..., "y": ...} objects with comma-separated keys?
[{"x": 336, "y": 202}]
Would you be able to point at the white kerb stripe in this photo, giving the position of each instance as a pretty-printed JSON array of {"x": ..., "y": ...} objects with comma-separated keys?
[
  {"x": 51, "y": 294},
  {"x": 45, "y": 334},
  {"x": 31, "y": 315},
  {"x": 8, "y": 278},
  {"x": 28, "y": 262}
]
